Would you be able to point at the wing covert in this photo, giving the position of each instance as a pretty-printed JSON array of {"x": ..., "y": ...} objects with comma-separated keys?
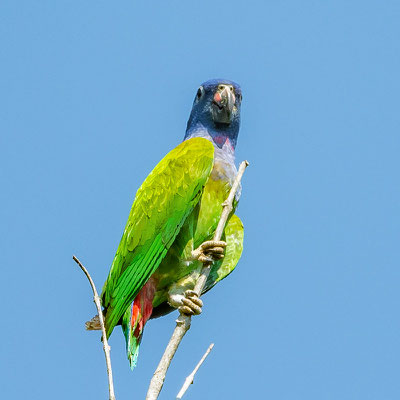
[{"x": 160, "y": 208}]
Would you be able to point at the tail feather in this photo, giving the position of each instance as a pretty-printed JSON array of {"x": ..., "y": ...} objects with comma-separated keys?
[{"x": 134, "y": 320}]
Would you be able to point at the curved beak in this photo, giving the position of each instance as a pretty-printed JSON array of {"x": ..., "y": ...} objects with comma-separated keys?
[{"x": 223, "y": 104}]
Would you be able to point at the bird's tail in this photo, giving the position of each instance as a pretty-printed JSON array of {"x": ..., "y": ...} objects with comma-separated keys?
[{"x": 134, "y": 320}]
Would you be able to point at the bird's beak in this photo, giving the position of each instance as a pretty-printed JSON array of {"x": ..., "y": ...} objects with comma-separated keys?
[{"x": 223, "y": 105}]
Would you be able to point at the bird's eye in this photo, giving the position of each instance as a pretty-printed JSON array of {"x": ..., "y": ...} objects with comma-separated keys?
[
  {"x": 240, "y": 97},
  {"x": 220, "y": 87},
  {"x": 199, "y": 93}
]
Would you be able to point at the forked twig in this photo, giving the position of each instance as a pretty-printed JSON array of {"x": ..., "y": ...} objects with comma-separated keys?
[
  {"x": 189, "y": 378},
  {"x": 183, "y": 322},
  {"x": 106, "y": 347}
]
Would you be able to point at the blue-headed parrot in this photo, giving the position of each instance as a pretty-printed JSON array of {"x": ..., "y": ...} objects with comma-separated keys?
[{"x": 172, "y": 221}]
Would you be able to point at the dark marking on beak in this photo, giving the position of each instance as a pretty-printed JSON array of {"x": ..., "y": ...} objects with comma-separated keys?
[{"x": 223, "y": 104}]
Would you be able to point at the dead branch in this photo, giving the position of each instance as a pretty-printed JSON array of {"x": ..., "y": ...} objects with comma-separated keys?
[
  {"x": 189, "y": 378},
  {"x": 106, "y": 347}
]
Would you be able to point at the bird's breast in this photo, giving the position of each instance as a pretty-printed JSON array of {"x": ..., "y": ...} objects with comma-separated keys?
[{"x": 224, "y": 172}]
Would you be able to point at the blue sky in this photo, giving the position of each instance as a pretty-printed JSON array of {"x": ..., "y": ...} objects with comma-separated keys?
[{"x": 94, "y": 94}]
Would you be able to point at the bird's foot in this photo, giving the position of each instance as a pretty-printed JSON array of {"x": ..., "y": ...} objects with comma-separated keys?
[
  {"x": 191, "y": 303},
  {"x": 210, "y": 251}
]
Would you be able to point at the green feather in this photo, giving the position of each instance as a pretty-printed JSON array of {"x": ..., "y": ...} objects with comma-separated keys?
[
  {"x": 167, "y": 196},
  {"x": 234, "y": 246}
]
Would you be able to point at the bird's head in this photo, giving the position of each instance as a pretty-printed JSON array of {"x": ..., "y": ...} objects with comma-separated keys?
[{"x": 216, "y": 109}]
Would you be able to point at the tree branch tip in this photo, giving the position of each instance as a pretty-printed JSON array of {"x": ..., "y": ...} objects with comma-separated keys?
[
  {"x": 76, "y": 259},
  {"x": 190, "y": 378}
]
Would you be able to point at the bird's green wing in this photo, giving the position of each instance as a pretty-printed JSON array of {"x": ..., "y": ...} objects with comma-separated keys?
[
  {"x": 234, "y": 246},
  {"x": 161, "y": 205}
]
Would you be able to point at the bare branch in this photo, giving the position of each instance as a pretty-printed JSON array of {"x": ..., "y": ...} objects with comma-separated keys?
[
  {"x": 189, "y": 378},
  {"x": 183, "y": 322},
  {"x": 106, "y": 347}
]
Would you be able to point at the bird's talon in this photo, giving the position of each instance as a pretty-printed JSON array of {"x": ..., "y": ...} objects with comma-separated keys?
[
  {"x": 191, "y": 303},
  {"x": 205, "y": 259},
  {"x": 194, "y": 298},
  {"x": 185, "y": 310},
  {"x": 218, "y": 250},
  {"x": 194, "y": 308},
  {"x": 198, "y": 302},
  {"x": 210, "y": 251},
  {"x": 213, "y": 243}
]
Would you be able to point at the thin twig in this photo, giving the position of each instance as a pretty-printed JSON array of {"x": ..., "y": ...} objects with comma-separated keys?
[
  {"x": 189, "y": 378},
  {"x": 183, "y": 322},
  {"x": 106, "y": 347}
]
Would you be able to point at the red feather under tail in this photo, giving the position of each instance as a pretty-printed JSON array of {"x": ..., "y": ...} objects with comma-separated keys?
[{"x": 133, "y": 326}]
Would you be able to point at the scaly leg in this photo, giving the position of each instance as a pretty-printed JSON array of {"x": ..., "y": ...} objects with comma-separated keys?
[
  {"x": 191, "y": 303},
  {"x": 209, "y": 251}
]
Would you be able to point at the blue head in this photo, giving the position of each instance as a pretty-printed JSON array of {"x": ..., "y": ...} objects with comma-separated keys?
[{"x": 216, "y": 109}]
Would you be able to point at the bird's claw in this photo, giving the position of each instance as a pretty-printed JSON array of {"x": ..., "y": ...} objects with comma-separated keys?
[
  {"x": 210, "y": 251},
  {"x": 191, "y": 303}
]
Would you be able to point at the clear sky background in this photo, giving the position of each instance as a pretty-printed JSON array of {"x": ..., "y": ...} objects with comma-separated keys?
[{"x": 93, "y": 94}]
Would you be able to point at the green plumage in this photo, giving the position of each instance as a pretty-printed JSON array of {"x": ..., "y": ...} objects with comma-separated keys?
[
  {"x": 162, "y": 204},
  {"x": 175, "y": 210}
]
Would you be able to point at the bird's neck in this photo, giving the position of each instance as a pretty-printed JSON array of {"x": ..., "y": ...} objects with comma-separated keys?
[{"x": 222, "y": 140}]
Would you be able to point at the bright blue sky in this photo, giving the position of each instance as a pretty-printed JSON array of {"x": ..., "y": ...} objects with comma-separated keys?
[{"x": 93, "y": 94}]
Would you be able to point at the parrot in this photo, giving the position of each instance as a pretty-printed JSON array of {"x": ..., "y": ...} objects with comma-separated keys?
[{"x": 168, "y": 235}]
